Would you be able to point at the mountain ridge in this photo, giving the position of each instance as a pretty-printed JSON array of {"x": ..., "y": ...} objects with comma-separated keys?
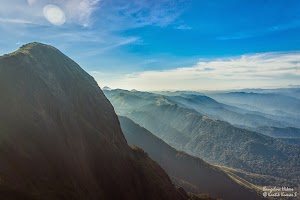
[{"x": 61, "y": 139}]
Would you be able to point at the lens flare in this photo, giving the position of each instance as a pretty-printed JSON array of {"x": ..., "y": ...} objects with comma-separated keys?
[{"x": 54, "y": 14}]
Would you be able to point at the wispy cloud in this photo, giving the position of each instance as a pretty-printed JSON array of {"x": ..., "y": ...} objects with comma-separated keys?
[
  {"x": 258, "y": 70},
  {"x": 37, "y": 20},
  {"x": 31, "y": 11},
  {"x": 132, "y": 14},
  {"x": 183, "y": 27},
  {"x": 97, "y": 23},
  {"x": 121, "y": 42},
  {"x": 81, "y": 10},
  {"x": 135, "y": 13},
  {"x": 16, "y": 21}
]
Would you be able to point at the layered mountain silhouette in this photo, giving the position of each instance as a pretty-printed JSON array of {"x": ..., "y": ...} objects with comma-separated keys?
[
  {"x": 239, "y": 110},
  {"x": 61, "y": 139},
  {"x": 191, "y": 173},
  {"x": 217, "y": 142},
  {"x": 277, "y": 104},
  {"x": 231, "y": 114},
  {"x": 276, "y": 126}
]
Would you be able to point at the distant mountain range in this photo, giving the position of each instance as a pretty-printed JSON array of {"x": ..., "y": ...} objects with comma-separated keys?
[
  {"x": 231, "y": 114},
  {"x": 240, "y": 112},
  {"x": 274, "y": 104},
  {"x": 216, "y": 141},
  {"x": 61, "y": 139},
  {"x": 291, "y": 91}
]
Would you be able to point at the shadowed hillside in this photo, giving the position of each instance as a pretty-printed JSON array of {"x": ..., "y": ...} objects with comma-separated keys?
[
  {"x": 60, "y": 137},
  {"x": 187, "y": 171}
]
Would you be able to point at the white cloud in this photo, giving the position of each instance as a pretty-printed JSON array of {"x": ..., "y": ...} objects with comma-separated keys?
[
  {"x": 258, "y": 70},
  {"x": 183, "y": 27},
  {"x": 81, "y": 10},
  {"x": 15, "y": 21}
]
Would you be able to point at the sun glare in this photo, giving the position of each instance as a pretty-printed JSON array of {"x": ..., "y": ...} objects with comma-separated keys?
[{"x": 54, "y": 14}]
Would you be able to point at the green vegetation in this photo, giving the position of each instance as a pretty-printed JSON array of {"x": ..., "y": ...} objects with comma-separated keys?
[
  {"x": 188, "y": 172},
  {"x": 215, "y": 141}
]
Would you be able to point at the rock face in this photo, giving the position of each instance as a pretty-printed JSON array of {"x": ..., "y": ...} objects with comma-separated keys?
[{"x": 61, "y": 139}]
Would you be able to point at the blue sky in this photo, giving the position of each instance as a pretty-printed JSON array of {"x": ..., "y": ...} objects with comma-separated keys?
[{"x": 165, "y": 44}]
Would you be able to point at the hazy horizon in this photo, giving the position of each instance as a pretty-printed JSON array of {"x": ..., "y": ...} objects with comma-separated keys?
[{"x": 203, "y": 91}]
